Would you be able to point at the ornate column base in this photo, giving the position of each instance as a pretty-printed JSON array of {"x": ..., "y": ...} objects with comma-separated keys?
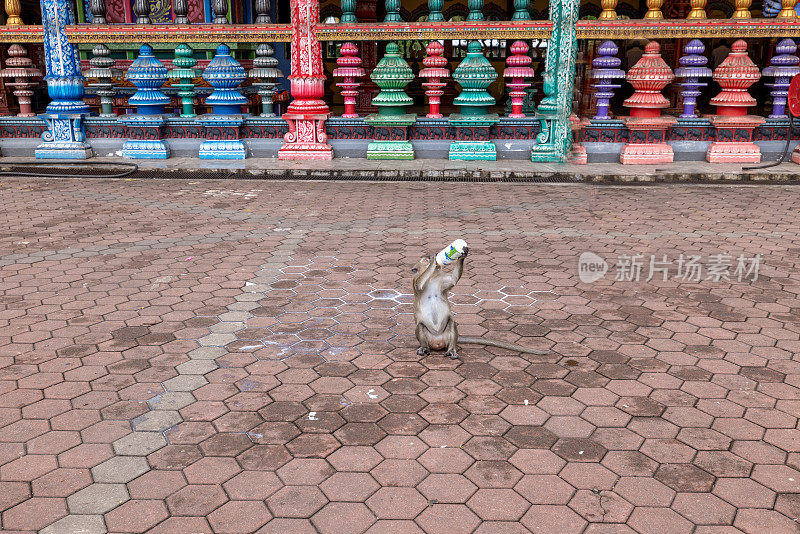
[
  {"x": 472, "y": 138},
  {"x": 577, "y": 154},
  {"x": 306, "y": 139},
  {"x": 796, "y": 155},
  {"x": 144, "y": 137},
  {"x": 222, "y": 137},
  {"x": 64, "y": 138},
  {"x": 647, "y": 144},
  {"x": 391, "y": 137},
  {"x": 734, "y": 142}
]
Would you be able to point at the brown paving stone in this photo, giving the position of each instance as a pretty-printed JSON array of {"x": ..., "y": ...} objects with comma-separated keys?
[
  {"x": 340, "y": 517},
  {"x": 296, "y": 501},
  {"x": 235, "y": 517},
  {"x": 396, "y": 503},
  {"x": 553, "y": 518},
  {"x": 196, "y": 499},
  {"x": 34, "y": 513}
]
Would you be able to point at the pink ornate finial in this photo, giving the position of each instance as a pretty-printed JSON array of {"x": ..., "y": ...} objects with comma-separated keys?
[
  {"x": 435, "y": 69},
  {"x": 735, "y": 75},
  {"x": 648, "y": 129},
  {"x": 648, "y": 77},
  {"x": 734, "y": 126},
  {"x": 21, "y": 76},
  {"x": 518, "y": 69},
  {"x": 349, "y": 68}
]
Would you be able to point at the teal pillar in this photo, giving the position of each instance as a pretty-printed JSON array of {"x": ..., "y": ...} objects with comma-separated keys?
[
  {"x": 435, "y": 10},
  {"x": 475, "y": 74},
  {"x": 475, "y": 9},
  {"x": 393, "y": 11},
  {"x": 555, "y": 138}
]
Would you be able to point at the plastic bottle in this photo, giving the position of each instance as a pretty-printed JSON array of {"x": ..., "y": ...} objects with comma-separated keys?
[{"x": 451, "y": 252}]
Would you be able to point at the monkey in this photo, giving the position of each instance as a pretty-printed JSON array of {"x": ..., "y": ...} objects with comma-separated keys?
[{"x": 436, "y": 327}]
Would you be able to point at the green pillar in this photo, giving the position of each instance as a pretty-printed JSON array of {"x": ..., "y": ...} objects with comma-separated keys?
[
  {"x": 555, "y": 138},
  {"x": 184, "y": 72},
  {"x": 391, "y": 123}
]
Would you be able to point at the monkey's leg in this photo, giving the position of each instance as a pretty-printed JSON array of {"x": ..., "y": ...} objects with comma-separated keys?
[
  {"x": 452, "y": 334},
  {"x": 423, "y": 336}
]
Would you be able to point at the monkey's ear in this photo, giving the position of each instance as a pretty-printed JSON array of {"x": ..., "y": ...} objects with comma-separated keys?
[{"x": 414, "y": 270}]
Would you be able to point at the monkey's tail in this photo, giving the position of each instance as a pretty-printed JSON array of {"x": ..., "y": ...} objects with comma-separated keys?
[{"x": 501, "y": 344}]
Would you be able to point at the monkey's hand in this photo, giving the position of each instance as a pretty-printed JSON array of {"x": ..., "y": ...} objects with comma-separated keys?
[{"x": 466, "y": 251}]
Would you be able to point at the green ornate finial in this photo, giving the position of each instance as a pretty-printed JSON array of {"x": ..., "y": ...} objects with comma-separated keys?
[
  {"x": 393, "y": 11},
  {"x": 184, "y": 72},
  {"x": 521, "y": 10},
  {"x": 348, "y": 11},
  {"x": 475, "y": 74},
  {"x": 435, "y": 10},
  {"x": 392, "y": 74},
  {"x": 475, "y": 9}
]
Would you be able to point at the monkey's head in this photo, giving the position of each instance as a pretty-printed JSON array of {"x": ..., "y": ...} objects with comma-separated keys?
[{"x": 420, "y": 267}]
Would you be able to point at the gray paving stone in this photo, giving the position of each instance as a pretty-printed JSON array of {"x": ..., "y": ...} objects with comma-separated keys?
[
  {"x": 207, "y": 353},
  {"x": 174, "y": 400},
  {"x": 185, "y": 383},
  {"x": 120, "y": 469},
  {"x": 217, "y": 340},
  {"x": 97, "y": 498},
  {"x": 195, "y": 367},
  {"x": 139, "y": 443},
  {"x": 77, "y": 524},
  {"x": 156, "y": 420}
]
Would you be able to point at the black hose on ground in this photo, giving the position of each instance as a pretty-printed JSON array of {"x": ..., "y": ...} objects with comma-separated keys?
[
  {"x": 130, "y": 169},
  {"x": 789, "y": 132}
]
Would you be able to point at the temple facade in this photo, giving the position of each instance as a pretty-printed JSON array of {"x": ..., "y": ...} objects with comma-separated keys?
[{"x": 641, "y": 82}]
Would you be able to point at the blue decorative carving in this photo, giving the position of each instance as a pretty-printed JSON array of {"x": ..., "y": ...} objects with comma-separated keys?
[
  {"x": 148, "y": 74},
  {"x": 65, "y": 137},
  {"x": 222, "y": 127},
  {"x": 225, "y": 74}
]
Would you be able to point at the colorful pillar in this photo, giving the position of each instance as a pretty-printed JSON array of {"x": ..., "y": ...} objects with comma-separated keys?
[
  {"x": 519, "y": 68},
  {"x": 435, "y": 71},
  {"x": 349, "y": 69},
  {"x": 65, "y": 137},
  {"x": 307, "y": 113},
  {"x": 783, "y": 67}
]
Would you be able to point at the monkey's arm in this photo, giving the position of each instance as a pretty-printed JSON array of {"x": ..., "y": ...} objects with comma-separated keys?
[
  {"x": 426, "y": 276},
  {"x": 455, "y": 276}
]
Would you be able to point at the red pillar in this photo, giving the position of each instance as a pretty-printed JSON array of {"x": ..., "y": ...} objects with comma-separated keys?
[{"x": 307, "y": 113}]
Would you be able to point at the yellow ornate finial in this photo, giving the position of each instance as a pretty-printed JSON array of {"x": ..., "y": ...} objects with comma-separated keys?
[
  {"x": 698, "y": 9},
  {"x": 787, "y": 9},
  {"x": 13, "y": 10},
  {"x": 654, "y": 9},
  {"x": 742, "y": 9},
  {"x": 609, "y": 10}
]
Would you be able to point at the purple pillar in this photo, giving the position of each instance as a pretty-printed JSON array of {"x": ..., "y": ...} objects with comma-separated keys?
[
  {"x": 606, "y": 70},
  {"x": 783, "y": 67},
  {"x": 693, "y": 67}
]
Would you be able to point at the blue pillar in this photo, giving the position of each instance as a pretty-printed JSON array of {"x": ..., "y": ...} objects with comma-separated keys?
[{"x": 65, "y": 137}]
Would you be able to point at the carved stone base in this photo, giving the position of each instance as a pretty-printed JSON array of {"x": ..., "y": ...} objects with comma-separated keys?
[
  {"x": 390, "y": 150},
  {"x": 578, "y": 155},
  {"x": 796, "y": 155},
  {"x": 145, "y": 149},
  {"x": 473, "y": 151},
  {"x": 733, "y": 152},
  {"x": 306, "y": 139},
  {"x": 64, "y": 138},
  {"x": 646, "y": 154},
  {"x": 222, "y": 149}
]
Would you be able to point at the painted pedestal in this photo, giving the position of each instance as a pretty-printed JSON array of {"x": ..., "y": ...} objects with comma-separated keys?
[
  {"x": 222, "y": 128},
  {"x": 734, "y": 127},
  {"x": 222, "y": 137},
  {"x": 648, "y": 129},
  {"x": 144, "y": 140},
  {"x": 391, "y": 123},
  {"x": 474, "y": 74}
]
